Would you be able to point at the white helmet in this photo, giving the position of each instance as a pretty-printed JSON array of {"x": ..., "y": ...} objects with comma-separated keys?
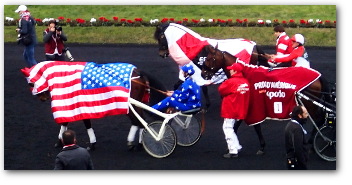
[{"x": 298, "y": 38}]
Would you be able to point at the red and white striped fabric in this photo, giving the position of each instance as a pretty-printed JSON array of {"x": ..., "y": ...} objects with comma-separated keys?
[
  {"x": 82, "y": 90},
  {"x": 184, "y": 45}
]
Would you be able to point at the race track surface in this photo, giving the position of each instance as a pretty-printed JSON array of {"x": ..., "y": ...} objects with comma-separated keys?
[{"x": 30, "y": 131}]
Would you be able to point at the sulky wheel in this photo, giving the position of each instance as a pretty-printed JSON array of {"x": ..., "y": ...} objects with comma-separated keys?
[
  {"x": 188, "y": 129},
  {"x": 162, "y": 148},
  {"x": 325, "y": 144}
]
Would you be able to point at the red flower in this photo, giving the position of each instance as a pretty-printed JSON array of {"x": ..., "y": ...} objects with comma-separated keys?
[
  {"x": 68, "y": 20},
  {"x": 302, "y": 21},
  {"x": 123, "y": 20},
  {"x": 138, "y": 19},
  {"x": 81, "y": 21},
  {"x": 179, "y": 22},
  {"x": 38, "y": 20},
  {"x": 229, "y": 20},
  {"x": 292, "y": 21},
  {"x": 276, "y": 20},
  {"x": 164, "y": 20},
  {"x": 115, "y": 18},
  {"x": 245, "y": 20},
  {"x": 284, "y": 22},
  {"x": 335, "y": 22},
  {"x": 185, "y": 19},
  {"x": 129, "y": 21},
  {"x": 61, "y": 18},
  {"x": 172, "y": 19},
  {"x": 101, "y": 18},
  {"x": 195, "y": 21},
  {"x": 327, "y": 21}
]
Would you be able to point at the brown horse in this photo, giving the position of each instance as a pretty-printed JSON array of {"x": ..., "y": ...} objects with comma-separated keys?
[
  {"x": 140, "y": 90},
  {"x": 217, "y": 60},
  {"x": 191, "y": 43}
]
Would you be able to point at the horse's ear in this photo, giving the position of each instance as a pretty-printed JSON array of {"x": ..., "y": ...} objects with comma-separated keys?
[
  {"x": 216, "y": 47},
  {"x": 26, "y": 71}
]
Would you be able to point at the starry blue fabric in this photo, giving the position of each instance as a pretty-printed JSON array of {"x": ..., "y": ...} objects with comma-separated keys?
[
  {"x": 106, "y": 75},
  {"x": 186, "y": 97}
]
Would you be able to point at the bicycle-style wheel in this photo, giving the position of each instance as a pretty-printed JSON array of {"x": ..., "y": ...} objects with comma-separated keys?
[
  {"x": 326, "y": 147},
  {"x": 188, "y": 129},
  {"x": 162, "y": 148}
]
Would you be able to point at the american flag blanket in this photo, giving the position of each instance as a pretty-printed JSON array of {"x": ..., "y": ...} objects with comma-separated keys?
[
  {"x": 272, "y": 93},
  {"x": 184, "y": 44},
  {"x": 82, "y": 90}
]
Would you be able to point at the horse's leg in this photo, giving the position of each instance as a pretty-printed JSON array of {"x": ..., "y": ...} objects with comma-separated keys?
[
  {"x": 135, "y": 127},
  {"x": 63, "y": 128},
  {"x": 206, "y": 96},
  {"x": 91, "y": 134},
  {"x": 258, "y": 130}
]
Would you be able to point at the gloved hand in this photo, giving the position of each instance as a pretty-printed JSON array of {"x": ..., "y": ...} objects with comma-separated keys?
[{"x": 272, "y": 63}]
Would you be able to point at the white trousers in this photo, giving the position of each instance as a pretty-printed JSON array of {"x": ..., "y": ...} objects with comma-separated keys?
[{"x": 231, "y": 138}]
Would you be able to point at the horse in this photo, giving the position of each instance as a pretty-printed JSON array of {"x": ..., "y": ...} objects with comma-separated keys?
[
  {"x": 319, "y": 89},
  {"x": 185, "y": 45},
  {"x": 143, "y": 87}
]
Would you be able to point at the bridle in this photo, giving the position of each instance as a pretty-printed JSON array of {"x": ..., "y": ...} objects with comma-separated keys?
[{"x": 209, "y": 67}]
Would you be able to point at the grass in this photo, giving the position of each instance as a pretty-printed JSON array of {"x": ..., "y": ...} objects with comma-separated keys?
[{"x": 144, "y": 35}]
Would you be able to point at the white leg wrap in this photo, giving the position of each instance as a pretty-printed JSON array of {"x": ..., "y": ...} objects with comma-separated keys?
[
  {"x": 62, "y": 130},
  {"x": 140, "y": 134},
  {"x": 230, "y": 135},
  {"x": 91, "y": 135},
  {"x": 132, "y": 133}
]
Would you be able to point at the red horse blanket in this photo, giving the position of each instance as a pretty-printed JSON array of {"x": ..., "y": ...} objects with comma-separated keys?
[{"x": 272, "y": 93}]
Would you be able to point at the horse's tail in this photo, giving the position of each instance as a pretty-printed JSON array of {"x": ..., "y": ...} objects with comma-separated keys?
[
  {"x": 155, "y": 96},
  {"x": 326, "y": 90}
]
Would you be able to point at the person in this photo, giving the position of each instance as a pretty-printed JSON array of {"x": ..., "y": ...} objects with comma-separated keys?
[
  {"x": 26, "y": 29},
  {"x": 54, "y": 38},
  {"x": 298, "y": 56},
  {"x": 296, "y": 143},
  {"x": 186, "y": 97},
  {"x": 235, "y": 101},
  {"x": 72, "y": 156},
  {"x": 283, "y": 42}
]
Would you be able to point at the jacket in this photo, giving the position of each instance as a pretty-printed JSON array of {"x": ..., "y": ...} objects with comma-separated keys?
[
  {"x": 27, "y": 26},
  {"x": 73, "y": 158},
  {"x": 235, "y": 97},
  {"x": 52, "y": 42},
  {"x": 188, "y": 93},
  {"x": 283, "y": 44},
  {"x": 297, "y": 52},
  {"x": 296, "y": 142}
]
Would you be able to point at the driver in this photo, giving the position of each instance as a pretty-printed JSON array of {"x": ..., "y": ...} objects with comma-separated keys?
[{"x": 186, "y": 97}]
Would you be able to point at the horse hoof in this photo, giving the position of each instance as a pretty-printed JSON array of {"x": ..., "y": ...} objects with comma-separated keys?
[
  {"x": 58, "y": 144},
  {"x": 139, "y": 147},
  {"x": 260, "y": 152},
  {"x": 130, "y": 146},
  {"x": 91, "y": 147}
]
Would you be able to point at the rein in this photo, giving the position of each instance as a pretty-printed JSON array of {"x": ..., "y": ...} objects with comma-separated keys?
[{"x": 158, "y": 90}]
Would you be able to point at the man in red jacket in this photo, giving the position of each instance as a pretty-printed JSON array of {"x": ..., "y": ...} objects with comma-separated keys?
[
  {"x": 235, "y": 101},
  {"x": 283, "y": 41},
  {"x": 298, "y": 56}
]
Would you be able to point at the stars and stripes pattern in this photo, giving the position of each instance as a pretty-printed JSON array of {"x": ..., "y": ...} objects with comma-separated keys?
[{"x": 82, "y": 90}]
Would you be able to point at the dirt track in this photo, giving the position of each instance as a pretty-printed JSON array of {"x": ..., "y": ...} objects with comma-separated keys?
[{"x": 30, "y": 132}]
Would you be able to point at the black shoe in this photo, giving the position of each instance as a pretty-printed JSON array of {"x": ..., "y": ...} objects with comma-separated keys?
[{"x": 228, "y": 155}]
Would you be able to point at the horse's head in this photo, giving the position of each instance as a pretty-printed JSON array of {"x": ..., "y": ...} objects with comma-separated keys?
[
  {"x": 159, "y": 35},
  {"x": 43, "y": 95},
  {"x": 213, "y": 62}
]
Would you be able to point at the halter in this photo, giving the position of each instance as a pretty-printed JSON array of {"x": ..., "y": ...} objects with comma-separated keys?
[{"x": 210, "y": 70}]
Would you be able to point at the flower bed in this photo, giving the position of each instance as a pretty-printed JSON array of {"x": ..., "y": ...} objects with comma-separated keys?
[{"x": 137, "y": 22}]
